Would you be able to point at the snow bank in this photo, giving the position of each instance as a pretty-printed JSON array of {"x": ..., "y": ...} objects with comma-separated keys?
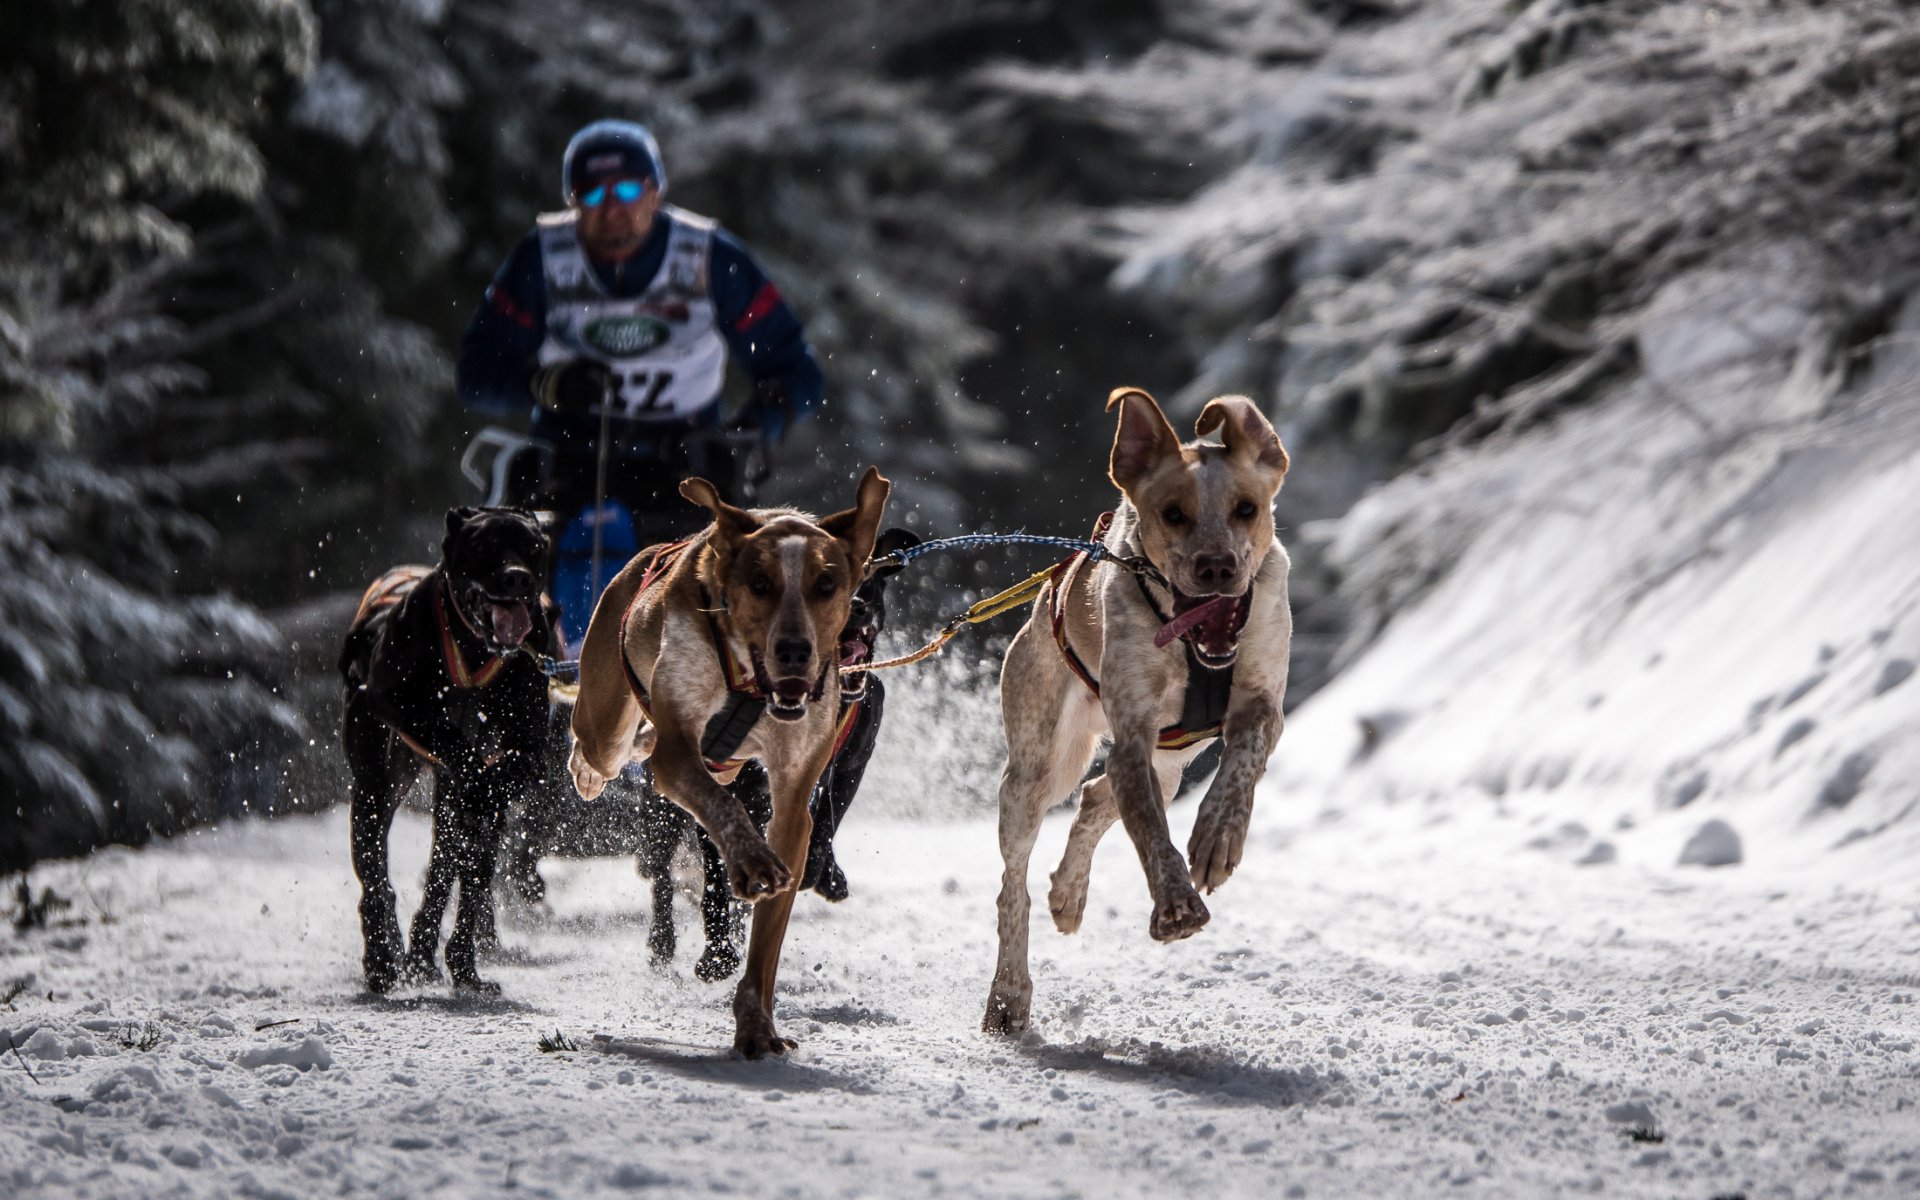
[{"x": 1699, "y": 599}]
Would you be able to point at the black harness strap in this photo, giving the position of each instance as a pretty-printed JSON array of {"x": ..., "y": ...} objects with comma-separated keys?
[
  {"x": 1205, "y": 704},
  {"x": 730, "y": 726}
]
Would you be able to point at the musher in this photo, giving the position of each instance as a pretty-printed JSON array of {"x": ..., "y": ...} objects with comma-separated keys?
[{"x": 624, "y": 296}]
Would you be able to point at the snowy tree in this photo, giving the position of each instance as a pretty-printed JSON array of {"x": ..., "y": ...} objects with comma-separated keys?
[{"x": 131, "y": 701}]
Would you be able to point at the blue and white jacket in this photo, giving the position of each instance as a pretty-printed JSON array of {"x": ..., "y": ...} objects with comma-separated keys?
[{"x": 664, "y": 320}]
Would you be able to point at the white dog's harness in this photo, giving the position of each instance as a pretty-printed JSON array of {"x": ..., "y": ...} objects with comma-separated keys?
[{"x": 1205, "y": 705}]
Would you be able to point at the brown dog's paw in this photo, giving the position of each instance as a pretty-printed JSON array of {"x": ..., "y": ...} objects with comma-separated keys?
[
  {"x": 754, "y": 1037},
  {"x": 1219, "y": 839},
  {"x": 587, "y": 781},
  {"x": 1007, "y": 1013},
  {"x": 1181, "y": 915},
  {"x": 756, "y": 872},
  {"x": 1067, "y": 901}
]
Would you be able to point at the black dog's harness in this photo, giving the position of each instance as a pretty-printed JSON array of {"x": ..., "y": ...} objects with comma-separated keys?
[
  {"x": 746, "y": 699},
  {"x": 1208, "y": 688},
  {"x": 396, "y": 585}
]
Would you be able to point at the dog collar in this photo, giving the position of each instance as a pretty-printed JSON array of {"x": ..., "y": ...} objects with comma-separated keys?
[{"x": 743, "y": 680}]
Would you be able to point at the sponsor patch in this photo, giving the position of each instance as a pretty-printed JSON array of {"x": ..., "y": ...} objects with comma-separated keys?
[
  {"x": 624, "y": 337},
  {"x": 606, "y": 162}
]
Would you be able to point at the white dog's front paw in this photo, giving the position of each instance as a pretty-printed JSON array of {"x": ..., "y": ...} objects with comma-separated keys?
[
  {"x": 587, "y": 781},
  {"x": 1219, "y": 839}
]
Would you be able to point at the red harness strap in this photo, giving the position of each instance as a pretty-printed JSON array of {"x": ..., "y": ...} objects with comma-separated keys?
[
  {"x": 1173, "y": 737},
  {"x": 389, "y": 590},
  {"x": 463, "y": 677},
  {"x": 849, "y": 713},
  {"x": 656, "y": 567}
]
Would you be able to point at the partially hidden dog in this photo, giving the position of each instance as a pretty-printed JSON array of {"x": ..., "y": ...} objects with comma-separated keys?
[
  {"x": 657, "y": 828},
  {"x": 720, "y": 649},
  {"x": 437, "y": 679},
  {"x": 1159, "y": 666}
]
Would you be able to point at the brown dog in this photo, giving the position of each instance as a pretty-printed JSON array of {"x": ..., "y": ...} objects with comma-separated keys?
[
  {"x": 1161, "y": 666},
  {"x": 737, "y": 628}
]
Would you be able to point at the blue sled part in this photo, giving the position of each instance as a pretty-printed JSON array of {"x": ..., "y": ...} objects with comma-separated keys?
[{"x": 574, "y": 588}]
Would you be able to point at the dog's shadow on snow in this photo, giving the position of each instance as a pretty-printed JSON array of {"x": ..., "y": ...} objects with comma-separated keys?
[
  {"x": 1221, "y": 1076},
  {"x": 710, "y": 1064},
  {"x": 454, "y": 1004}
]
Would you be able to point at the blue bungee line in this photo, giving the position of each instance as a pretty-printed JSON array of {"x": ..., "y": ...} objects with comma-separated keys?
[{"x": 973, "y": 541}]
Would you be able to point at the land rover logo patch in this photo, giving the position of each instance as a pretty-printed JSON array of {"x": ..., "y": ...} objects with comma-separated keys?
[{"x": 623, "y": 337}]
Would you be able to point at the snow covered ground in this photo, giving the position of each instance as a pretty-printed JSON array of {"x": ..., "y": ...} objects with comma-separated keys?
[{"x": 1407, "y": 999}]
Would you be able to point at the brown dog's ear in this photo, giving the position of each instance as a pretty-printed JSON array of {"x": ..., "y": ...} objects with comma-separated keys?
[
  {"x": 729, "y": 523},
  {"x": 1143, "y": 439},
  {"x": 860, "y": 525},
  {"x": 1244, "y": 429}
]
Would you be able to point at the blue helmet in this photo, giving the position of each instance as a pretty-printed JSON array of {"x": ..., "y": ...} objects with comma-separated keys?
[{"x": 606, "y": 149}]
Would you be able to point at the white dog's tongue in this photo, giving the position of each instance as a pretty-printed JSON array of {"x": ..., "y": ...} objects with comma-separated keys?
[
  {"x": 511, "y": 623},
  {"x": 1199, "y": 614}
]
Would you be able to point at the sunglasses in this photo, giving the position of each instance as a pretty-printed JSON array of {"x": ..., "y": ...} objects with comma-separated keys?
[{"x": 626, "y": 191}]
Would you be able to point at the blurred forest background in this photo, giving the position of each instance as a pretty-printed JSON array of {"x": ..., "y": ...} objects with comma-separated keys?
[{"x": 238, "y": 240}]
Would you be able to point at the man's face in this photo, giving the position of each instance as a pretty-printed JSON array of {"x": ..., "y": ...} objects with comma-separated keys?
[{"x": 613, "y": 227}]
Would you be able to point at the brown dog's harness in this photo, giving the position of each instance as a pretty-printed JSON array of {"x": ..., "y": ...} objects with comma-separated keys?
[
  {"x": 1205, "y": 705},
  {"x": 746, "y": 700}
]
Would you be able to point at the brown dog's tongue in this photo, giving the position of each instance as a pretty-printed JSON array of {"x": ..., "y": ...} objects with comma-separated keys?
[
  {"x": 511, "y": 623},
  {"x": 1199, "y": 614}
]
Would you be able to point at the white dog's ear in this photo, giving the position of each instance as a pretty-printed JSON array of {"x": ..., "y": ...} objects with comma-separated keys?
[
  {"x": 860, "y": 525},
  {"x": 1142, "y": 440},
  {"x": 1244, "y": 430},
  {"x": 729, "y": 523}
]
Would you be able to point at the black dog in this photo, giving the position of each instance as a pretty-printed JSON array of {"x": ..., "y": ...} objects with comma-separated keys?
[
  {"x": 642, "y": 819},
  {"x": 434, "y": 677}
]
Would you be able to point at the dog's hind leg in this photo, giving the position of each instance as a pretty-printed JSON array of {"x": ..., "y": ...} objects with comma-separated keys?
[
  {"x": 1067, "y": 898},
  {"x": 374, "y": 797},
  {"x": 1050, "y": 739},
  {"x": 835, "y": 795},
  {"x": 605, "y": 714},
  {"x": 663, "y": 826},
  {"x": 720, "y": 916}
]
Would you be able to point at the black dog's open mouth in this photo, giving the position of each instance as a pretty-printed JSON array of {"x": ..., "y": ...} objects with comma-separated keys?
[
  {"x": 1210, "y": 624},
  {"x": 504, "y": 621},
  {"x": 511, "y": 622},
  {"x": 855, "y": 650}
]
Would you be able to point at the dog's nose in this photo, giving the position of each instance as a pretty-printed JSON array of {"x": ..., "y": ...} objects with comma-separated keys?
[
  {"x": 793, "y": 655},
  {"x": 1214, "y": 571},
  {"x": 517, "y": 581}
]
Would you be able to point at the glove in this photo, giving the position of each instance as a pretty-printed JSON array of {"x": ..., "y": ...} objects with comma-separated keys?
[
  {"x": 572, "y": 387},
  {"x": 769, "y": 411}
]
